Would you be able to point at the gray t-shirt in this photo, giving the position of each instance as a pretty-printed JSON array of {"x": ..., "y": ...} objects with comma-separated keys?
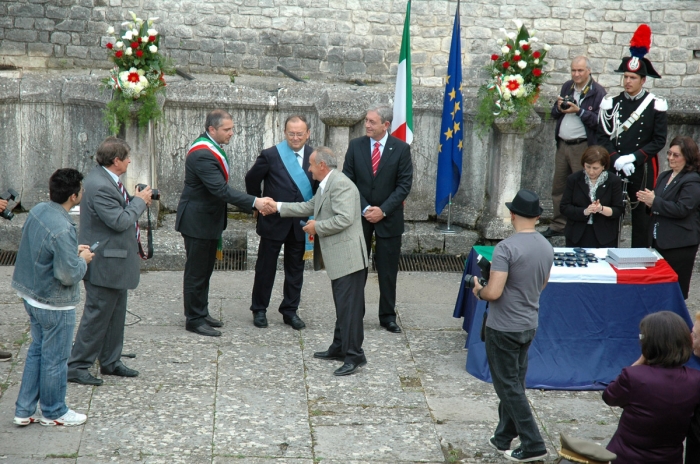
[{"x": 527, "y": 257}]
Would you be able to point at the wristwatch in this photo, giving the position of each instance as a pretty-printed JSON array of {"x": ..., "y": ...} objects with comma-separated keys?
[{"x": 478, "y": 293}]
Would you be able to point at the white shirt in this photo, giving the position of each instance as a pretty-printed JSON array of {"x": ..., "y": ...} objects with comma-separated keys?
[
  {"x": 112, "y": 175},
  {"x": 321, "y": 187},
  {"x": 382, "y": 143},
  {"x": 36, "y": 304}
]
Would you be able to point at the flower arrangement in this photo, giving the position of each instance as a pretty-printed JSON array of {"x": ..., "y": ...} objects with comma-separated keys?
[
  {"x": 516, "y": 75},
  {"x": 137, "y": 76}
]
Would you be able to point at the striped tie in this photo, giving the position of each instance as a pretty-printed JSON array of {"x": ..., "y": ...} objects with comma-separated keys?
[
  {"x": 138, "y": 229},
  {"x": 375, "y": 158}
]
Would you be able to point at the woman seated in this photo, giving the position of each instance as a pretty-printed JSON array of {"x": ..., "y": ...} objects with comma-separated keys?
[
  {"x": 657, "y": 393},
  {"x": 674, "y": 228},
  {"x": 592, "y": 202}
]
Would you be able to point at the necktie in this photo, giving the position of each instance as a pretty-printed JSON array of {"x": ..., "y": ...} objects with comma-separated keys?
[
  {"x": 375, "y": 158},
  {"x": 300, "y": 159},
  {"x": 138, "y": 229}
]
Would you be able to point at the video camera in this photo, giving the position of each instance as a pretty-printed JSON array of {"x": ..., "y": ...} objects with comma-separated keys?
[
  {"x": 10, "y": 195},
  {"x": 155, "y": 194},
  {"x": 485, "y": 267}
]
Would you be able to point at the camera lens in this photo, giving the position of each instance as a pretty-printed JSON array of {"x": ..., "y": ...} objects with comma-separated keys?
[{"x": 155, "y": 194}]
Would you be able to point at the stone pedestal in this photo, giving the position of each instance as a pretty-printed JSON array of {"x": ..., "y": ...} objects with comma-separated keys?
[{"x": 505, "y": 173}]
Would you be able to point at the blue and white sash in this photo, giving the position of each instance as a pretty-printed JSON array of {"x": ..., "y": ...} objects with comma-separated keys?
[{"x": 296, "y": 172}]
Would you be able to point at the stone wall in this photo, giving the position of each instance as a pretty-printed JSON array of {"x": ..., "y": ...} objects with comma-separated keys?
[{"x": 341, "y": 40}]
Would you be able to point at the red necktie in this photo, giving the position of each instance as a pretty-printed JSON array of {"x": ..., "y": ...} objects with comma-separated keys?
[
  {"x": 138, "y": 229},
  {"x": 375, "y": 158}
]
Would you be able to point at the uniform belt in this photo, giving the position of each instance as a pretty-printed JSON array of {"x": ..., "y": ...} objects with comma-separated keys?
[{"x": 575, "y": 141}]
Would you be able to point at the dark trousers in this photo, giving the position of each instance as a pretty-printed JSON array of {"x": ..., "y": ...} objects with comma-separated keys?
[
  {"x": 266, "y": 268},
  {"x": 567, "y": 160},
  {"x": 201, "y": 257},
  {"x": 101, "y": 332},
  {"x": 349, "y": 299},
  {"x": 640, "y": 216},
  {"x": 507, "y": 356},
  {"x": 387, "y": 253},
  {"x": 590, "y": 240},
  {"x": 681, "y": 261}
]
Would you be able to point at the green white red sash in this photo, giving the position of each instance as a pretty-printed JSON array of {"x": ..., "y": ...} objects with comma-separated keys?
[{"x": 205, "y": 143}]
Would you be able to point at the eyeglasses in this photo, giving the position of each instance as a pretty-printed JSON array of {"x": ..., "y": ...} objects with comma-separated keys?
[
  {"x": 295, "y": 135},
  {"x": 673, "y": 154}
]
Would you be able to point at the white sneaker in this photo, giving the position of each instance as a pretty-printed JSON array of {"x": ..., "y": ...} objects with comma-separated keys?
[
  {"x": 33, "y": 419},
  {"x": 68, "y": 419}
]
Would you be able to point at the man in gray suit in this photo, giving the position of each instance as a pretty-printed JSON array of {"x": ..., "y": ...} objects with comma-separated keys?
[
  {"x": 107, "y": 215},
  {"x": 341, "y": 247}
]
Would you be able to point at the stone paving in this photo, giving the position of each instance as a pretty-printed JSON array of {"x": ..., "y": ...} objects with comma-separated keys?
[{"x": 258, "y": 395}]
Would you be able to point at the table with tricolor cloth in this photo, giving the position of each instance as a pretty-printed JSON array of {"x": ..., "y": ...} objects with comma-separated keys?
[{"x": 588, "y": 321}]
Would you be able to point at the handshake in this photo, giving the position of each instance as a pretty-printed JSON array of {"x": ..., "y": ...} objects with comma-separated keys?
[{"x": 266, "y": 206}]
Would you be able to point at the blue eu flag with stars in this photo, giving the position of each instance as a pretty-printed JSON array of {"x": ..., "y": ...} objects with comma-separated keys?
[{"x": 449, "y": 170}]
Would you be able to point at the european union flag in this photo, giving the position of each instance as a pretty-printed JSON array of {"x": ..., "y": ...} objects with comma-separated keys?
[{"x": 449, "y": 171}]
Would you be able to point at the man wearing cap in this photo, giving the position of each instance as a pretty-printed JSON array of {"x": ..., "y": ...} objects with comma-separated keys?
[
  {"x": 633, "y": 129},
  {"x": 577, "y": 122},
  {"x": 519, "y": 272}
]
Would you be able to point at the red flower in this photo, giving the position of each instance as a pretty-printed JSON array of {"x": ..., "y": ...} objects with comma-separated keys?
[
  {"x": 516, "y": 57},
  {"x": 494, "y": 57},
  {"x": 509, "y": 46},
  {"x": 537, "y": 72},
  {"x": 133, "y": 77},
  {"x": 139, "y": 53},
  {"x": 119, "y": 54},
  {"x": 109, "y": 45},
  {"x": 506, "y": 65},
  {"x": 140, "y": 40},
  {"x": 512, "y": 85},
  {"x": 536, "y": 54},
  {"x": 525, "y": 47},
  {"x": 152, "y": 38},
  {"x": 134, "y": 45}
]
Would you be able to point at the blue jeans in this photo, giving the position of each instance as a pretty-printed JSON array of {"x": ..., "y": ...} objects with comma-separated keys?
[
  {"x": 45, "y": 374},
  {"x": 507, "y": 356}
]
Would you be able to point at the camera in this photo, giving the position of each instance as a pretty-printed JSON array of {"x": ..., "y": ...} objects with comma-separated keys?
[
  {"x": 566, "y": 102},
  {"x": 10, "y": 195},
  {"x": 485, "y": 267},
  {"x": 155, "y": 194}
]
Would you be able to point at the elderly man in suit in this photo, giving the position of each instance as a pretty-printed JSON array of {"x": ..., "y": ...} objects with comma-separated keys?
[
  {"x": 283, "y": 171},
  {"x": 107, "y": 215},
  {"x": 341, "y": 247},
  {"x": 201, "y": 217},
  {"x": 381, "y": 167}
]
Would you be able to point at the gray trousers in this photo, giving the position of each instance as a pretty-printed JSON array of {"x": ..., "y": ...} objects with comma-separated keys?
[
  {"x": 567, "y": 160},
  {"x": 507, "y": 356},
  {"x": 101, "y": 331}
]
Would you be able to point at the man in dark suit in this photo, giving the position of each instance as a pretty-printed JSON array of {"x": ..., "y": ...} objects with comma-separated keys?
[
  {"x": 283, "y": 169},
  {"x": 108, "y": 215},
  {"x": 381, "y": 167},
  {"x": 201, "y": 217},
  {"x": 341, "y": 248}
]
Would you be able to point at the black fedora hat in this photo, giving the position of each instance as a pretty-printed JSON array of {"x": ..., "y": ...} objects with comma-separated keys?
[{"x": 526, "y": 204}]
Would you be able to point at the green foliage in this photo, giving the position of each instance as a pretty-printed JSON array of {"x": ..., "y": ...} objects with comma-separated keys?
[{"x": 120, "y": 109}]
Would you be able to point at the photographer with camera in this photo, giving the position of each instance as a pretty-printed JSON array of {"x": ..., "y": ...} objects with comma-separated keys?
[
  {"x": 519, "y": 272},
  {"x": 576, "y": 113},
  {"x": 4, "y": 355},
  {"x": 5, "y": 198},
  {"x": 108, "y": 215}
]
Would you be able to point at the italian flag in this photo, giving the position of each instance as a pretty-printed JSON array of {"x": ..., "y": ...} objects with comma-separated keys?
[{"x": 402, "y": 126}]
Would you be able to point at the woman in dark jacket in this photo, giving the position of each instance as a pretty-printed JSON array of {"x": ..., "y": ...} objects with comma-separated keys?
[
  {"x": 657, "y": 393},
  {"x": 675, "y": 225},
  {"x": 592, "y": 202}
]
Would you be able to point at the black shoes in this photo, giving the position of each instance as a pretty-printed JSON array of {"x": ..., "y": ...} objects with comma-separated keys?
[
  {"x": 211, "y": 322},
  {"x": 518, "y": 455},
  {"x": 203, "y": 329},
  {"x": 293, "y": 320},
  {"x": 392, "y": 327},
  {"x": 348, "y": 368},
  {"x": 85, "y": 378},
  {"x": 549, "y": 233},
  {"x": 260, "y": 319},
  {"x": 492, "y": 442},
  {"x": 326, "y": 355},
  {"x": 121, "y": 371}
]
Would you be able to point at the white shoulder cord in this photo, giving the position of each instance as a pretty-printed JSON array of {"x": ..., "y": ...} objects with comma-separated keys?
[{"x": 611, "y": 121}]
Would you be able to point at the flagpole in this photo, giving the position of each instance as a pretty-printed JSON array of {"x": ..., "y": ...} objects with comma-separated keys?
[{"x": 448, "y": 229}]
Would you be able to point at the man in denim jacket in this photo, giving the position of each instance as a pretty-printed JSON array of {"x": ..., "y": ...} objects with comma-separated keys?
[{"x": 50, "y": 264}]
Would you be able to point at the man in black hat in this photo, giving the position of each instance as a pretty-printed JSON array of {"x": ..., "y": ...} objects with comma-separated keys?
[
  {"x": 519, "y": 272},
  {"x": 633, "y": 130}
]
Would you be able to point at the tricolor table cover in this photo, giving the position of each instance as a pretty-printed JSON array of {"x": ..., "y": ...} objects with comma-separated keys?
[{"x": 588, "y": 323}]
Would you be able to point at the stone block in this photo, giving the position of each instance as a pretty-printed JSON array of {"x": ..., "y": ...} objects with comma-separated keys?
[
  {"x": 26, "y": 10},
  {"x": 673, "y": 69},
  {"x": 10, "y": 48},
  {"x": 71, "y": 25},
  {"x": 212, "y": 45},
  {"x": 79, "y": 12},
  {"x": 691, "y": 81},
  {"x": 182, "y": 31},
  {"x": 561, "y": 13},
  {"x": 668, "y": 81},
  {"x": 44, "y": 24},
  {"x": 202, "y": 58},
  {"x": 21, "y": 35},
  {"x": 545, "y": 23},
  {"x": 679, "y": 54},
  {"x": 354, "y": 67},
  {"x": 573, "y": 38},
  {"x": 40, "y": 49},
  {"x": 73, "y": 51},
  {"x": 24, "y": 23}
]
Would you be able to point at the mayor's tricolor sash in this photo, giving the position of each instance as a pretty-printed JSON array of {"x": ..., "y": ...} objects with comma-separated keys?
[
  {"x": 289, "y": 159},
  {"x": 205, "y": 143}
]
